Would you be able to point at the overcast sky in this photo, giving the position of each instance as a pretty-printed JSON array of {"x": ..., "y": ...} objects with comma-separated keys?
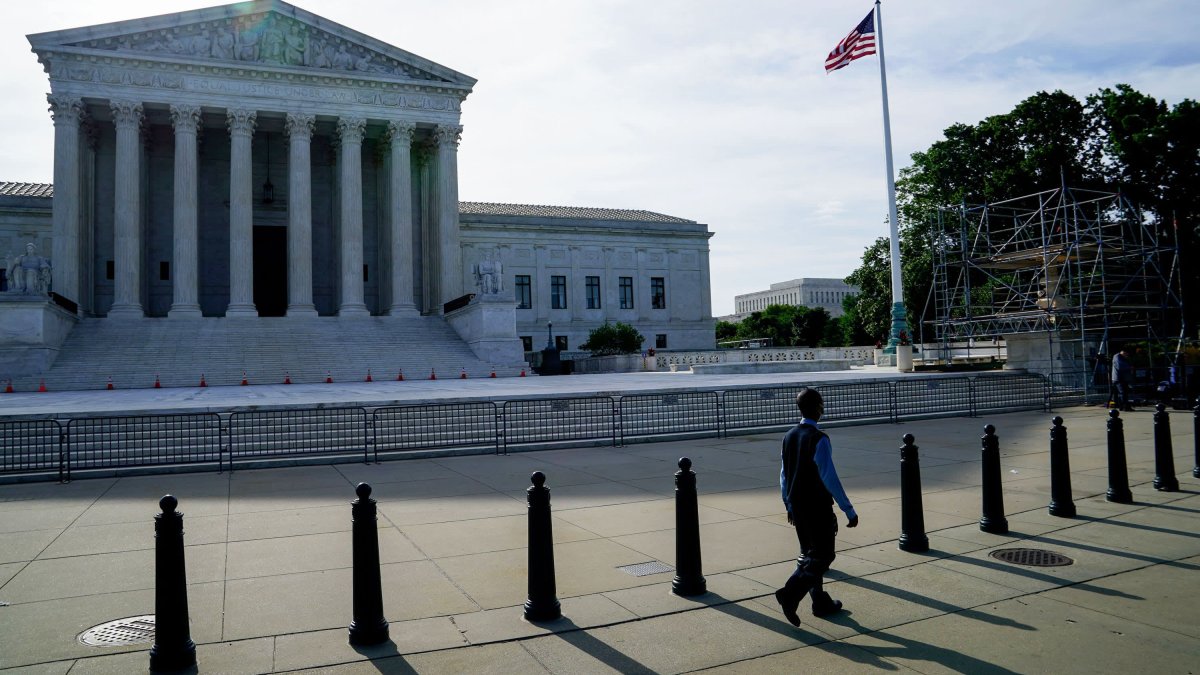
[{"x": 713, "y": 110}]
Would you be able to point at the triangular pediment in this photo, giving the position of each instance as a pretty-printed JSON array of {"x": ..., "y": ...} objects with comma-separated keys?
[{"x": 262, "y": 33}]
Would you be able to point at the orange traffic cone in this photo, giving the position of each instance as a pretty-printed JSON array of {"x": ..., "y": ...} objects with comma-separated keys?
[
  {"x": 202, "y": 382},
  {"x": 109, "y": 387},
  {"x": 369, "y": 378},
  {"x": 493, "y": 373},
  {"x": 328, "y": 378},
  {"x": 8, "y": 387},
  {"x": 522, "y": 372},
  {"x": 287, "y": 377},
  {"x": 157, "y": 384},
  {"x": 244, "y": 380},
  {"x": 400, "y": 375},
  {"x": 463, "y": 376},
  {"x": 432, "y": 375},
  {"x": 42, "y": 386}
]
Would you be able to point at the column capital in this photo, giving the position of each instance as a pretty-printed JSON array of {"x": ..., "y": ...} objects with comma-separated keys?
[
  {"x": 241, "y": 121},
  {"x": 126, "y": 113},
  {"x": 299, "y": 125},
  {"x": 65, "y": 109},
  {"x": 351, "y": 129},
  {"x": 401, "y": 132},
  {"x": 448, "y": 134},
  {"x": 185, "y": 118}
]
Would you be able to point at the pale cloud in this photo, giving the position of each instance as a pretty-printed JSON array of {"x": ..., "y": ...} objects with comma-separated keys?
[{"x": 706, "y": 109}]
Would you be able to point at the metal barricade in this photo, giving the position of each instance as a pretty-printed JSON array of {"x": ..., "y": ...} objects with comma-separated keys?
[
  {"x": 443, "y": 425},
  {"x": 934, "y": 397},
  {"x": 559, "y": 420},
  {"x": 143, "y": 440},
  {"x": 670, "y": 414},
  {"x": 1005, "y": 393},
  {"x": 305, "y": 431},
  {"x": 30, "y": 447}
]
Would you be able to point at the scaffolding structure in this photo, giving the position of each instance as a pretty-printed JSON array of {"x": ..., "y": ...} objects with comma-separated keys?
[{"x": 1084, "y": 268}]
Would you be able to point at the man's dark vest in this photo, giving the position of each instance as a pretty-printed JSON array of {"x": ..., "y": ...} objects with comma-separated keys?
[{"x": 805, "y": 490}]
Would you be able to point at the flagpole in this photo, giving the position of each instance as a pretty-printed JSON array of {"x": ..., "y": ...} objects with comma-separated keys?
[{"x": 899, "y": 318}]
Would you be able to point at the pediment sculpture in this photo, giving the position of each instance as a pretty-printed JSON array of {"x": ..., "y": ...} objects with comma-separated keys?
[
  {"x": 267, "y": 38},
  {"x": 29, "y": 273}
]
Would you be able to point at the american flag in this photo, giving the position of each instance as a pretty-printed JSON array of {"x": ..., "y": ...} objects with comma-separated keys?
[{"x": 859, "y": 43}]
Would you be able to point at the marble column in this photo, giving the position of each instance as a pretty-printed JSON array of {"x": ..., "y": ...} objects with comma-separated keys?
[
  {"x": 127, "y": 211},
  {"x": 400, "y": 135},
  {"x": 299, "y": 236},
  {"x": 450, "y": 267},
  {"x": 241, "y": 214},
  {"x": 185, "y": 277},
  {"x": 68, "y": 113},
  {"x": 350, "y": 130}
]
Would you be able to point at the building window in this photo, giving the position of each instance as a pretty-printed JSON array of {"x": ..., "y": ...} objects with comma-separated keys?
[
  {"x": 560, "y": 343},
  {"x": 524, "y": 292},
  {"x": 593, "y": 292},
  {"x": 626, "y": 292},
  {"x": 527, "y": 341},
  {"x": 558, "y": 292},
  {"x": 660, "y": 341},
  {"x": 658, "y": 293}
]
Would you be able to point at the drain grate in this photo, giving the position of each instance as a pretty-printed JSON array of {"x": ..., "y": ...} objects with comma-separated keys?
[
  {"x": 128, "y": 631},
  {"x": 646, "y": 569},
  {"x": 1031, "y": 557}
]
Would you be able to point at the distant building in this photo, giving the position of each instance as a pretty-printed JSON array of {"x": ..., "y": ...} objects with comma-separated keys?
[{"x": 826, "y": 293}]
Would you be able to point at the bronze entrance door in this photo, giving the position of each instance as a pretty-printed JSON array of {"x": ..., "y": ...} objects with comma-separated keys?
[{"x": 270, "y": 270}]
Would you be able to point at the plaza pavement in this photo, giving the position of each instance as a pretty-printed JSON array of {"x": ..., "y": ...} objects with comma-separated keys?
[{"x": 268, "y": 562}]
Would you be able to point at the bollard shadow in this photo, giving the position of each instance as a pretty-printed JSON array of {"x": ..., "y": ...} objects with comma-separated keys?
[
  {"x": 780, "y": 625},
  {"x": 1136, "y": 526},
  {"x": 932, "y": 603},
  {"x": 1041, "y": 576},
  {"x": 578, "y": 637},
  {"x": 915, "y": 650},
  {"x": 385, "y": 658},
  {"x": 1040, "y": 538},
  {"x": 1169, "y": 507}
]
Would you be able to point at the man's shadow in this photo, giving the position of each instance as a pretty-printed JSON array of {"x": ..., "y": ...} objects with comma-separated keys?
[{"x": 915, "y": 650}]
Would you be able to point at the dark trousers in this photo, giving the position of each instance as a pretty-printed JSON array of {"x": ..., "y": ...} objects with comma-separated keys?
[
  {"x": 1121, "y": 396},
  {"x": 816, "y": 532}
]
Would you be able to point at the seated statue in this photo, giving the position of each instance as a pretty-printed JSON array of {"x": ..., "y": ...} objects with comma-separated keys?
[
  {"x": 29, "y": 274},
  {"x": 489, "y": 274}
]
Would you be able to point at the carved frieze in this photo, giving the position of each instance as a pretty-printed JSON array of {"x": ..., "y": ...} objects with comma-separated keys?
[{"x": 266, "y": 38}]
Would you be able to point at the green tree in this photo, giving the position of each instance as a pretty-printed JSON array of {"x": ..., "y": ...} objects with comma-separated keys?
[
  {"x": 611, "y": 339},
  {"x": 726, "y": 330},
  {"x": 773, "y": 321}
]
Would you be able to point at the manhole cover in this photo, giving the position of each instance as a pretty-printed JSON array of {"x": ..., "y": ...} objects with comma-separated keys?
[
  {"x": 646, "y": 568},
  {"x": 128, "y": 631},
  {"x": 1032, "y": 557}
]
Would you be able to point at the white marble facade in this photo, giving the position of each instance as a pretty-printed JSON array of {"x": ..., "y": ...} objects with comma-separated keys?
[
  {"x": 808, "y": 292},
  {"x": 251, "y": 159}
]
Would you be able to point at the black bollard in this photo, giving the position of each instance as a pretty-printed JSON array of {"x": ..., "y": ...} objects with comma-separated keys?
[
  {"x": 542, "y": 604},
  {"x": 688, "y": 578},
  {"x": 1061, "y": 502},
  {"x": 1118, "y": 474},
  {"x": 368, "y": 627},
  {"x": 173, "y": 647},
  {"x": 1196, "y": 435},
  {"x": 993, "y": 519},
  {"x": 912, "y": 515},
  {"x": 1164, "y": 455}
]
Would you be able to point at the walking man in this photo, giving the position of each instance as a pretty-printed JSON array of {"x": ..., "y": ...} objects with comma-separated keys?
[
  {"x": 810, "y": 485},
  {"x": 1122, "y": 379}
]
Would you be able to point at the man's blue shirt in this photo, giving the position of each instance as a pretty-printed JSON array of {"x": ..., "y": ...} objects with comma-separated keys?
[{"x": 823, "y": 456}]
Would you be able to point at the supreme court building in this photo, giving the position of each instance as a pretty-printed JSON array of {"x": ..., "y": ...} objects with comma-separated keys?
[{"x": 257, "y": 160}]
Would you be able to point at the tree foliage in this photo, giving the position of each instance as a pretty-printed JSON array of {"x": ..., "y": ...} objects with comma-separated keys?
[
  {"x": 1116, "y": 140},
  {"x": 788, "y": 326},
  {"x": 611, "y": 339}
]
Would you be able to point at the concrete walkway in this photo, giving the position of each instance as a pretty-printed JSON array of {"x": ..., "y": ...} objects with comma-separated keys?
[{"x": 268, "y": 561}]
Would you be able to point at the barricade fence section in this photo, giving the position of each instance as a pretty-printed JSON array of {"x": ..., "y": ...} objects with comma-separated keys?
[
  {"x": 560, "y": 420},
  {"x": 438, "y": 426},
  {"x": 118, "y": 442},
  {"x": 43, "y": 446},
  {"x": 31, "y": 447},
  {"x": 308, "y": 431},
  {"x": 646, "y": 416}
]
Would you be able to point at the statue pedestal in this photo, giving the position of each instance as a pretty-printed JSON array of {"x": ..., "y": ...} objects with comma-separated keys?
[
  {"x": 488, "y": 324},
  {"x": 32, "y": 328}
]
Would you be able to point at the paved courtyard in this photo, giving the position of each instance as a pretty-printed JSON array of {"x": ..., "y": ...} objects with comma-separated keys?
[{"x": 268, "y": 561}]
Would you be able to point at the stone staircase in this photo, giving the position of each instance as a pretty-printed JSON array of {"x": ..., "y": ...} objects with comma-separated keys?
[{"x": 133, "y": 352}]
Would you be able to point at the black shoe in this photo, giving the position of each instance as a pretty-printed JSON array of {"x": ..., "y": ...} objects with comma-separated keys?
[
  {"x": 789, "y": 607},
  {"x": 830, "y": 609}
]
